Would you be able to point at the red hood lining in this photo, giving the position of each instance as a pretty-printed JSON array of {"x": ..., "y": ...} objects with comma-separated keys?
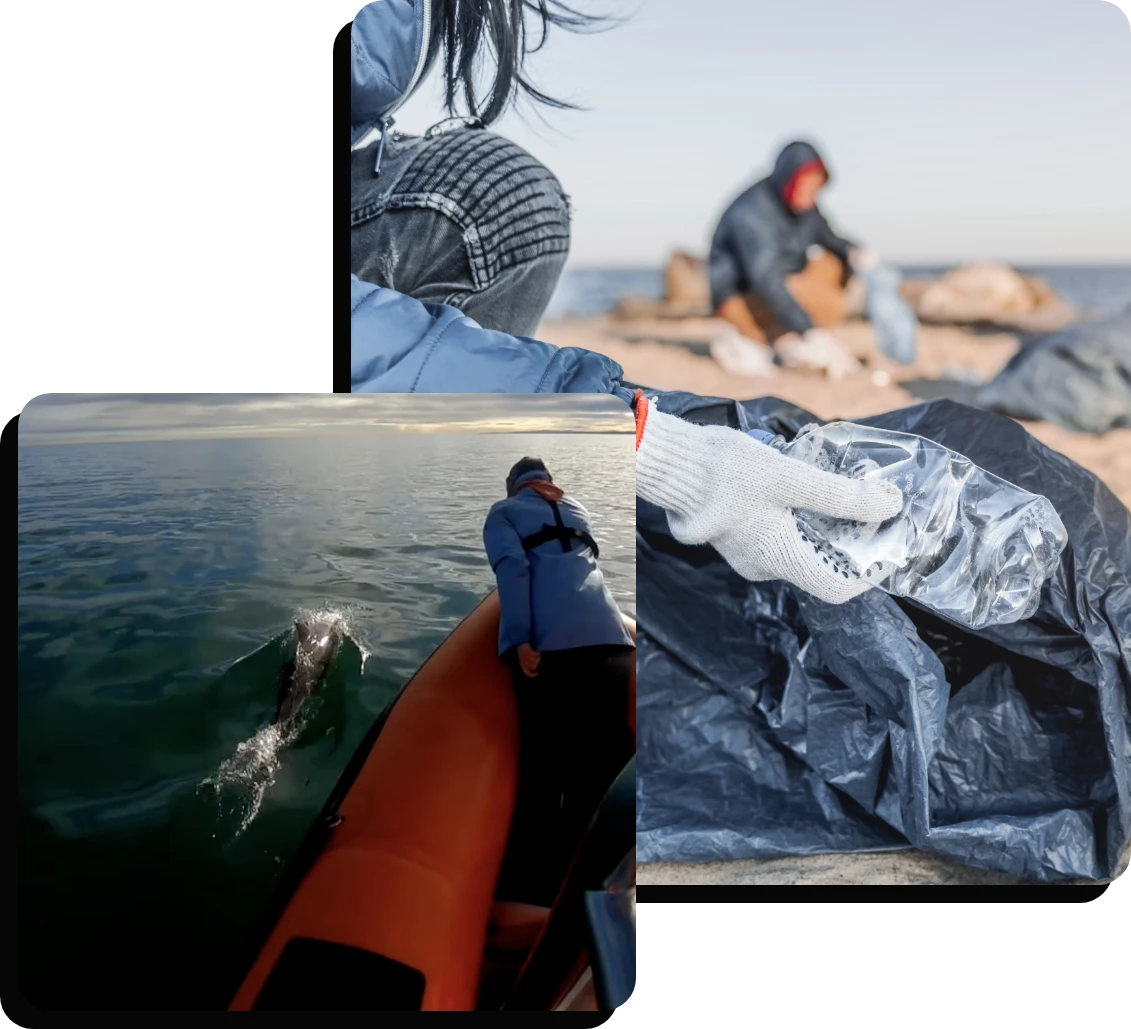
[{"x": 791, "y": 185}]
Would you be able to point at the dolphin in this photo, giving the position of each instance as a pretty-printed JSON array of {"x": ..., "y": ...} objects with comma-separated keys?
[{"x": 318, "y": 643}]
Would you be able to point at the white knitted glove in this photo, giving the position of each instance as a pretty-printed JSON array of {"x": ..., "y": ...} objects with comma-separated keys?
[
  {"x": 819, "y": 350},
  {"x": 741, "y": 356},
  {"x": 721, "y": 487}
]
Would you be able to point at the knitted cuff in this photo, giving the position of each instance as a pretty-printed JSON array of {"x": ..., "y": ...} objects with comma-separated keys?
[{"x": 668, "y": 470}]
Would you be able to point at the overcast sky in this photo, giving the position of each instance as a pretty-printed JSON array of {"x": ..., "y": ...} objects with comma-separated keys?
[
  {"x": 80, "y": 418},
  {"x": 969, "y": 129}
]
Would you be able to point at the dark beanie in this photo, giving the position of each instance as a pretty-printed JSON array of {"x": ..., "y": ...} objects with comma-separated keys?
[{"x": 525, "y": 467}]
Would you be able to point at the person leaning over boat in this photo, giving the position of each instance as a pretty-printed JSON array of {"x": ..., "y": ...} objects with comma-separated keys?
[{"x": 572, "y": 658}]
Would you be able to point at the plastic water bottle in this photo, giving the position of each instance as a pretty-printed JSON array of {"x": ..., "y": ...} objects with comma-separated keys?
[
  {"x": 895, "y": 324},
  {"x": 971, "y": 546}
]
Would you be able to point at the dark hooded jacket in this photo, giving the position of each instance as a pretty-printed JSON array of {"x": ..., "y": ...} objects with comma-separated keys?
[{"x": 760, "y": 241}]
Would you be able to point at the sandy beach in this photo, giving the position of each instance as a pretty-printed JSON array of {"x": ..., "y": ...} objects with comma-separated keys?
[{"x": 672, "y": 354}]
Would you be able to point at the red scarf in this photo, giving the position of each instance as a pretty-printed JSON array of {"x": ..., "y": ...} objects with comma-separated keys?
[{"x": 546, "y": 490}]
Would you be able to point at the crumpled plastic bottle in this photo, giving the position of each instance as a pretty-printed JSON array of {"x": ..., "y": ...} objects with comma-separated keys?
[{"x": 967, "y": 544}]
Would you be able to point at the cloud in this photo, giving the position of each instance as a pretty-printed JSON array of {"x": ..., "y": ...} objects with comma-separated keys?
[{"x": 123, "y": 417}]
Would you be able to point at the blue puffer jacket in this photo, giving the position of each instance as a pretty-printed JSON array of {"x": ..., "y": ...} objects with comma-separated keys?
[
  {"x": 399, "y": 345},
  {"x": 551, "y": 598}
]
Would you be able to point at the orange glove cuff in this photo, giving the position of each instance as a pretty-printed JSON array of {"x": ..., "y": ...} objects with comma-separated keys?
[{"x": 640, "y": 406}]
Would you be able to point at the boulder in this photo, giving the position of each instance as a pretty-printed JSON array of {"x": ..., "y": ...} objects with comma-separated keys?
[
  {"x": 687, "y": 293},
  {"x": 685, "y": 280},
  {"x": 991, "y": 294}
]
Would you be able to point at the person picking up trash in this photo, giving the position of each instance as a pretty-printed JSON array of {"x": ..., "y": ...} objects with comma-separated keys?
[
  {"x": 457, "y": 237},
  {"x": 768, "y": 279}
]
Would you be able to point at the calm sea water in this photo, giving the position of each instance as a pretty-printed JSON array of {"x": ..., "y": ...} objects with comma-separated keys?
[
  {"x": 158, "y": 583},
  {"x": 587, "y": 292}
]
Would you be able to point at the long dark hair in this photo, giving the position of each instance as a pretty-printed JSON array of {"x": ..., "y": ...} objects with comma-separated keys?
[{"x": 498, "y": 32}]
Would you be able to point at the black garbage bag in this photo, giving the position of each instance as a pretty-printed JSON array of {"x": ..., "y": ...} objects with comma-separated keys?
[
  {"x": 1079, "y": 378},
  {"x": 771, "y": 723}
]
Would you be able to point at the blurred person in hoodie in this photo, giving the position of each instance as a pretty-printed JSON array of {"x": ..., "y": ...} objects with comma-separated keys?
[{"x": 778, "y": 271}]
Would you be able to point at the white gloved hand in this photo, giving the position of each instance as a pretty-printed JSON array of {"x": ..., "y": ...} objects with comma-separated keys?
[
  {"x": 721, "y": 487},
  {"x": 861, "y": 260},
  {"x": 819, "y": 350},
  {"x": 741, "y": 356}
]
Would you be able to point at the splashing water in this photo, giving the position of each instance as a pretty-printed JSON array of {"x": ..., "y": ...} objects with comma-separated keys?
[
  {"x": 343, "y": 618},
  {"x": 242, "y": 779}
]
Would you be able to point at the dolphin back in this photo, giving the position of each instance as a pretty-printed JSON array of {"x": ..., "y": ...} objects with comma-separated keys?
[{"x": 316, "y": 648}]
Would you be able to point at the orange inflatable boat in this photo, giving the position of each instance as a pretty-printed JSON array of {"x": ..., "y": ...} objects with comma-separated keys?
[{"x": 387, "y": 904}]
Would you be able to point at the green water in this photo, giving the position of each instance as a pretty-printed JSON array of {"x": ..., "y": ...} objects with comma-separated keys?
[{"x": 158, "y": 586}]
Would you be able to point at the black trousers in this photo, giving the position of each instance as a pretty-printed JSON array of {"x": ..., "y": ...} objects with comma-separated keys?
[{"x": 574, "y": 741}]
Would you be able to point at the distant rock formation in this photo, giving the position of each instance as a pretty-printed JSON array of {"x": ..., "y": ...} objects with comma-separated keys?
[
  {"x": 989, "y": 294},
  {"x": 686, "y": 292},
  {"x": 685, "y": 280},
  {"x": 972, "y": 294}
]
